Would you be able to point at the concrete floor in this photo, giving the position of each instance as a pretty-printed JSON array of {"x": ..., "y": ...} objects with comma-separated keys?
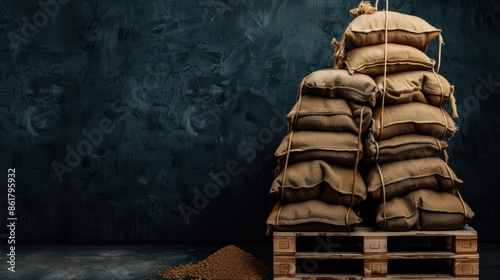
[
  {"x": 109, "y": 262},
  {"x": 142, "y": 262}
]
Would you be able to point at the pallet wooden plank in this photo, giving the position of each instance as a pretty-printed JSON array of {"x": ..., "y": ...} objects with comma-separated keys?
[
  {"x": 329, "y": 255},
  {"x": 428, "y": 255},
  {"x": 369, "y": 231},
  {"x": 329, "y": 277},
  {"x": 359, "y": 277},
  {"x": 419, "y": 277}
]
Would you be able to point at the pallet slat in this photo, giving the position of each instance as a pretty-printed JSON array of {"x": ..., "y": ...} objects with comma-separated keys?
[
  {"x": 328, "y": 255},
  {"x": 389, "y": 256},
  {"x": 360, "y": 277},
  {"x": 429, "y": 255},
  {"x": 370, "y": 231}
]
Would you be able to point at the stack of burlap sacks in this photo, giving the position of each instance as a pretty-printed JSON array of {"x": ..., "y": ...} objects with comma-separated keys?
[
  {"x": 389, "y": 95},
  {"x": 318, "y": 182}
]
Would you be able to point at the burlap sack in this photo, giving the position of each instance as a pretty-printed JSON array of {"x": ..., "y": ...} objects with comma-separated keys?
[
  {"x": 369, "y": 29},
  {"x": 370, "y": 60},
  {"x": 334, "y": 83},
  {"x": 401, "y": 177},
  {"x": 414, "y": 117},
  {"x": 317, "y": 179},
  {"x": 424, "y": 210},
  {"x": 312, "y": 215},
  {"x": 329, "y": 114},
  {"x": 337, "y": 147},
  {"x": 420, "y": 86},
  {"x": 402, "y": 147}
]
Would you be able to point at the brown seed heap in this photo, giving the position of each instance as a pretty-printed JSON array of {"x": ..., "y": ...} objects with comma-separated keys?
[{"x": 229, "y": 262}]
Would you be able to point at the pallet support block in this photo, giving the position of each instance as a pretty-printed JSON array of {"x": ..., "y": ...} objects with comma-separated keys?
[
  {"x": 375, "y": 244},
  {"x": 375, "y": 268},
  {"x": 465, "y": 245},
  {"x": 375, "y": 251},
  {"x": 284, "y": 266},
  {"x": 466, "y": 267},
  {"x": 284, "y": 244}
]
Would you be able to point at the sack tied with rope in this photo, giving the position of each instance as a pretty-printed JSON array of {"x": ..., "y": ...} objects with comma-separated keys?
[
  {"x": 335, "y": 147},
  {"x": 401, "y": 147},
  {"x": 319, "y": 180},
  {"x": 329, "y": 114},
  {"x": 412, "y": 118},
  {"x": 424, "y": 210},
  {"x": 332, "y": 83},
  {"x": 393, "y": 179},
  {"x": 312, "y": 215}
]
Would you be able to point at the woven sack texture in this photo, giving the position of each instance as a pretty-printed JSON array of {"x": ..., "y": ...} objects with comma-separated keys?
[
  {"x": 338, "y": 83},
  {"x": 335, "y": 147},
  {"x": 412, "y": 118},
  {"x": 370, "y": 60},
  {"x": 424, "y": 210},
  {"x": 369, "y": 29},
  {"x": 401, "y": 177},
  {"x": 312, "y": 215},
  {"x": 402, "y": 147},
  {"x": 329, "y": 114},
  {"x": 419, "y": 86},
  {"x": 317, "y": 179}
]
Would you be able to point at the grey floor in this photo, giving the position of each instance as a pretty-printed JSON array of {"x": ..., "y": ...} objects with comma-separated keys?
[{"x": 142, "y": 262}]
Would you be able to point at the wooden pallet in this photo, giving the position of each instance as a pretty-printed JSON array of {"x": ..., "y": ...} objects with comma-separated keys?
[{"x": 376, "y": 254}]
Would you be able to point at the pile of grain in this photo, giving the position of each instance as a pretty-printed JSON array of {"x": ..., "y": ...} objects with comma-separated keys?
[{"x": 229, "y": 262}]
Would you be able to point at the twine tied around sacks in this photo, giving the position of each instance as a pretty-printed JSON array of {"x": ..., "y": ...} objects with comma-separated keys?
[
  {"x": 365, "y": 8},
  {"x": 289, "y": 146},
  {"x": 287, "y": 157},
  {"x": 457, "y": 193},
  {"x": 339, "y": 53},
  {"x": 339, "y": 47},
  {"x": 290, "y": 137},
  {"x": 356, "y": 163},
  {"x": 454, "y": 190}
]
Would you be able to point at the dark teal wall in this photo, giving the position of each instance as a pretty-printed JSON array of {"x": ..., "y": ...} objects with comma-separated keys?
[{"x": 142, "y": 105}]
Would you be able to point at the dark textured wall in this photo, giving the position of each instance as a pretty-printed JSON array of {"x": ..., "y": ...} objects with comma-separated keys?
[{"x": 119, "y": 115}]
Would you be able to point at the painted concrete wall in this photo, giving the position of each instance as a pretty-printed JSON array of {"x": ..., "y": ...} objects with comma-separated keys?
[{"x": 118, "y": 114}]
